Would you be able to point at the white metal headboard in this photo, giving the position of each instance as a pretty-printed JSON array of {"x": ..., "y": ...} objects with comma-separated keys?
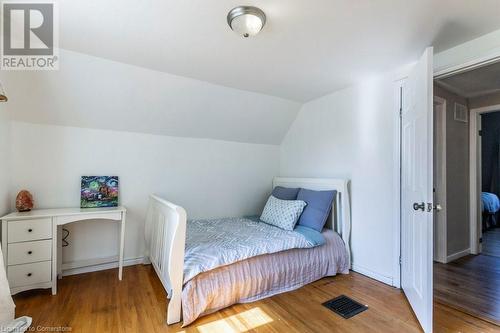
[{"x": 340, "y": 217}]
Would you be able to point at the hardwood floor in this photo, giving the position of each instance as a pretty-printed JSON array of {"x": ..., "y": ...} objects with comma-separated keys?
[
  {"x": 491, "y": 242},
  {"x": 98, "y": 302},
  {"x": 471, "y": 284},
  {"x": 449, "y": 320}
]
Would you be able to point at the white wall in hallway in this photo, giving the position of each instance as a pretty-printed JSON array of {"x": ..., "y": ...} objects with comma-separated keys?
[{"x": 4, "y": 159}]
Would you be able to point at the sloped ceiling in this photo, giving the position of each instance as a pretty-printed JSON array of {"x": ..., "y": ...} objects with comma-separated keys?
[
  {"x": 97, "y": 93},
  {"x": 307, "y": 48}
]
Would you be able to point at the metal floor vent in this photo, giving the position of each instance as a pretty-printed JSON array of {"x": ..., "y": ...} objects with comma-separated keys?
[{"x": 345, "y": 306}]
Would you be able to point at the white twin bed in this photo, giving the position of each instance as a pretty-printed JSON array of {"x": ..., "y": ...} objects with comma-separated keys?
[{"x": 207, "y": 265}]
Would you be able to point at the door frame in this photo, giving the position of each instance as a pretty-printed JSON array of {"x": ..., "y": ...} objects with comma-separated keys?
[
  {"x": 441, "y": 239},
  {"x": 399, "y": 84},
  {"x": 475, "y": 175}
]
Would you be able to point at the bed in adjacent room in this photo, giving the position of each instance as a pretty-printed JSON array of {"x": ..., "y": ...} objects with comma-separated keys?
[
  {"x": 491, "y": 206},
  {"x": 239, "y": 260}
]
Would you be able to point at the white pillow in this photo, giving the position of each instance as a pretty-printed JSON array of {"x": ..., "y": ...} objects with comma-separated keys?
[{"x": 283, "y": 214}]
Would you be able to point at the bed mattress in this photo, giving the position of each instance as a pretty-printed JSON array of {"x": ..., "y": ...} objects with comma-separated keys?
[
  {"x": 262, "y": 276},
  {"x": 212, "y": 243}
]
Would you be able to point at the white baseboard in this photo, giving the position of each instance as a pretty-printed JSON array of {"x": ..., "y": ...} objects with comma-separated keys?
[
  {"x": 94, "y": 265},
  {"x": 457, "y": 255},
  {"x": 374, "y": 275}
]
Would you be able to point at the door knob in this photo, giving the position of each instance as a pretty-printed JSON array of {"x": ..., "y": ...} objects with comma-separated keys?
[
  {"x": 438, "y": 208},
  {"x": 419, "y": 206}
]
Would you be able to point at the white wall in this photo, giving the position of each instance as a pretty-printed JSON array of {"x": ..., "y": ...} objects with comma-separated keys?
[
  {"x": 159, "y": 132},
  {"x": 4, "y": 159},
  {"x": 350, "y": 133},
  {"x": 209, "y": 178}
]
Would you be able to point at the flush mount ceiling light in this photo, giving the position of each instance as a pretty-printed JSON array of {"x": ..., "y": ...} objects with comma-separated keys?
[{"x": 246, "y": 20}]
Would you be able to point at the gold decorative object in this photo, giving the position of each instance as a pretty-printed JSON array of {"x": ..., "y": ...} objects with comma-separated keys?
[{"x": 3, "y": 96}]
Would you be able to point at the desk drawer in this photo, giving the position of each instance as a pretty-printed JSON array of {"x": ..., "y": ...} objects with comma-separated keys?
[
  {"x": 26, "y": 252},
  {"x": 28, "y": 274},
  {"x": 27, "y": 230}
]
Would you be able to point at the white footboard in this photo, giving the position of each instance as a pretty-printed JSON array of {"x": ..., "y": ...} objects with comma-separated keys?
[{"x": 165, "y": 233}]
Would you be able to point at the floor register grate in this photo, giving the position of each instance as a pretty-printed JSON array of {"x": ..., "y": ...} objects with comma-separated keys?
[{"x": 345, "y": 306}]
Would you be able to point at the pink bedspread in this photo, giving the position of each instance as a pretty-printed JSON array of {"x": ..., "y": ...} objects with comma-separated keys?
[{"x": 262, "y": 276}]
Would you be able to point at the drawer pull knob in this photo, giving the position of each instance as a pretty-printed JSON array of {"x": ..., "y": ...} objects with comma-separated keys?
[
  {"x": 29, "y": 274},
  {"x": 30, "y": 230},
  {"x": 30, "y": 252}
]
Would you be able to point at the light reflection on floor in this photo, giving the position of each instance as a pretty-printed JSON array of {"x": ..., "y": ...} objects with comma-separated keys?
[{"x": 238, "y": 323}]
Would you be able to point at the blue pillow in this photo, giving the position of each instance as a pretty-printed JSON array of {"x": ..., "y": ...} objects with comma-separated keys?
[
  {"x": 319, "y": 205},
  {"x": 315, "y": 238},
  {"x": 285, "y": 193}
]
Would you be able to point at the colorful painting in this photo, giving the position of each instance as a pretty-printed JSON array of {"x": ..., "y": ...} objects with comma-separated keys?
[{"x": 99, "y": 191}]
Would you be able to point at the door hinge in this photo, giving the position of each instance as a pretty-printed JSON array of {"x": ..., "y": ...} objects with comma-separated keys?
[
  {"x": 480, "y": 132},
  {"x": 399, "y": 260},
  {"x": 401, "y": 101},
  {"x": 481, "y": 240}
]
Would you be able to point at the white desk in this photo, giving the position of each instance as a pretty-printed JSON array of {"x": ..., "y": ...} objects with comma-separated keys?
[{"x": 32, "y": 244}]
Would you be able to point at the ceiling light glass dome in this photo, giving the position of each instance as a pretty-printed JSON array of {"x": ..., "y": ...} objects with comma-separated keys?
[{"x": 246, "y": 21}]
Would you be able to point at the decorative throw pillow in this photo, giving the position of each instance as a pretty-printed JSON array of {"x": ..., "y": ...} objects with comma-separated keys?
[
  {"x": 319, "y": 205},
  {"x": 285, "y": 193},
  {"x": 283, "y": 214}
]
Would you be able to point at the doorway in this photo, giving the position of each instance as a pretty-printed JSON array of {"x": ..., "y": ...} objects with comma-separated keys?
[
  {"x": 466, "y": 274},
  {"x": 489, "y": 180},
  {"x": 439, "y": 191},
  {"x": 416, "y": 198}
]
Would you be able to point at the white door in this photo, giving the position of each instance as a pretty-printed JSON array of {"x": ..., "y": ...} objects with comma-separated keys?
[{"x": 416, "y": 190}]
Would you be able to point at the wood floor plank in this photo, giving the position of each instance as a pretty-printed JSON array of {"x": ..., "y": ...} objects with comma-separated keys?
[
  {"x": 491, "y": 242},
  {"x": 470, "y": 284},
  {"x": 449, "y": 320},
  {"x": 98, "y": 302}
]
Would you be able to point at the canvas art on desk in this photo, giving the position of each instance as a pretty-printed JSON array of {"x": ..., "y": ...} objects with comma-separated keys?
[{"x": 99, "y": 191}]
